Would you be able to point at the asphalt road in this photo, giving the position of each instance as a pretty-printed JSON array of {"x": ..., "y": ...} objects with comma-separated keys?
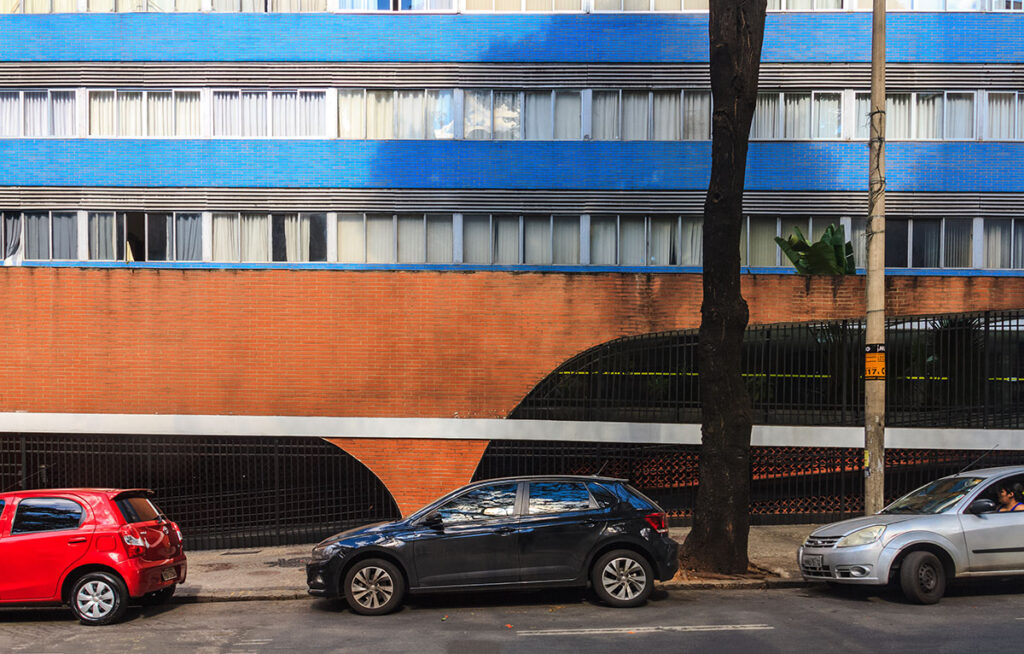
[{"x": 988, "y": 618}]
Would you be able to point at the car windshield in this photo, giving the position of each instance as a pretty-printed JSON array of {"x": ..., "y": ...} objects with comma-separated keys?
[{"x": 935, "y": 497}]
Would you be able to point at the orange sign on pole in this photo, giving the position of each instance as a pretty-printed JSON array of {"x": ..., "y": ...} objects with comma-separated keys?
[{"x": 874, "y": 362}]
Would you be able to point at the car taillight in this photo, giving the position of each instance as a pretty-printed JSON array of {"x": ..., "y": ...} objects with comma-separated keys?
[
  {"x": 658, "y": 521},
  {"x": 177, "y": 532},
  {"x": 134, "y": 543}
]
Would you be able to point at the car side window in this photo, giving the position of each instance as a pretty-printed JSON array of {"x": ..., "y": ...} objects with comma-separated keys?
[
  {"x": 559, "y": 497},
  {"x": 38, "y": 514},
  {"x": 604, "y": 497},
  {"x": 991, "y": 491},
  {"x": 483, "y": 503}
]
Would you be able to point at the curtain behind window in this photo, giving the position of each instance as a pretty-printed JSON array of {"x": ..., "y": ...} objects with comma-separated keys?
[
  {"x": 666, "y": 5},
  {"x": 186, "y": 5},
  {"x": 65, "y": 236},
  {"x": 129, "y": 114},
  {"x": 696, "y": 116},
  {"x": 827, "y": 116},
  {"x": 254, "y": 113},
  {"x": 225, "y": 237},
  {"x": 255, "y": 237},
  {"x": 37, "y": 6},
  {"x": 862, "y": 113},
  {"x": 663, "y": 249},
  {"x": 568, "y": 108},
  {"x": 1001, "y": 116},
  {"x": 312, "y": 113},
  {"x": 603, "y": 236},
  {"x": 36, "y": 114},
  {"x": 692, "y": 252},
  {"x": 508, "y": 115},
  {"x": 897, "y": 116},
  {"x": 957, "y": 243},
  {"x": 412, "y": 243},
  {"x": 440, "y": 114},
  {"x": 284, "y": 110},
  {"x": 188, "y": 231},
  {"x": 409, "y": 114},
  {"x": 666, "y": 115},
  {"x": 226, "y": 118},
  {"x": 62, "y": 112},
  {"x": 566, "y": 245},
  {"x": 604, "y": 114},
  {"x": 537, "y": 239},
  {"x": 12, "y": 234},
  {"x": 506, "y": 239},
  {"x": 997, "y": 243},
  {"x": 10, "y": 114},
  {"x": 102, "y": 246},
  {"x": 632, "y": 241},
  {"x": 608, "y": 5},
  {"x": 859, "y": 239},
  {"x": 380, "y": 117},
  {"x": 37, "y": 235},
  {"x": 476, "y": 238},
  {"x": 101, "y": 5},
  {"x": 160, "y": 113},
  {"x": 634, "y": 115},
  {"x": 537, "y": 116},
  {"x": 380, "y": 238},
  {"x": 960, "y": 116},
  {"x": 636, "y": 5},
  {"x": 350, "y": 114},
  {"x": 929, "y": 116},
  {"x": 440, "y": 247},
  {"x": 763, "y": 247},
  {"x": 924, "y": 245},
  {"x": 351, "y": 240},
  {"x": 796, "y": 115},
  {"x": 766, "y": 117},
  {"x": 477, "y": 115},
  {"x": 186, "y": 114},
  {"x": 1018, "y": 243}
]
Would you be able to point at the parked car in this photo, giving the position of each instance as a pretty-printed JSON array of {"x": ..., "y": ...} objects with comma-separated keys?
[
  {"x": 948, "y": 528},
  {"x": 92, "y": 549},
  {"x": 514, "y": 533}
]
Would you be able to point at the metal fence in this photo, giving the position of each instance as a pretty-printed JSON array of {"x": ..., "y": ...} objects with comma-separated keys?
[
  {"x": 788, "y": 484},
  {"x": 224, "y": 492},
  {"x": 960, "y": 370}
]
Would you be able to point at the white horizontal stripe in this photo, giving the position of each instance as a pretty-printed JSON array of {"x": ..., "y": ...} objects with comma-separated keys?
[
  {"x": 644, "y": 630},
  {"x": 491, "y": 429}
]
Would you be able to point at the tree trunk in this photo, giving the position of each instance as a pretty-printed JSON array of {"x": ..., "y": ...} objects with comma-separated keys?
[{"x": 721, "y": 521}]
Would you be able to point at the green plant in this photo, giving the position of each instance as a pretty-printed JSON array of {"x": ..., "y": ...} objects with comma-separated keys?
[{"x": 832, "y": 255}]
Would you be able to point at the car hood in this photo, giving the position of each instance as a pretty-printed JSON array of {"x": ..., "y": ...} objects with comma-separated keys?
[
  {"x": 849, "y": 526},
  {"x": 370, "y": 531}
]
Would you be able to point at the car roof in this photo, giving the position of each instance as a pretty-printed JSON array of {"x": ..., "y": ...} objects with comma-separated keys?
[
  {"x": 46, "y": 492},
  {"x": 990, "y": 473},
  {"x": 551, "y": 478}
]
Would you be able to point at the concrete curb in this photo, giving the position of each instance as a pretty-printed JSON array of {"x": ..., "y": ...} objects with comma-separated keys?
[{"x": 241, "y": 596}]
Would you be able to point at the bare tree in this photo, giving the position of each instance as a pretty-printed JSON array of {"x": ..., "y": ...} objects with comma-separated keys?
[{"x": 721, "y": 521}]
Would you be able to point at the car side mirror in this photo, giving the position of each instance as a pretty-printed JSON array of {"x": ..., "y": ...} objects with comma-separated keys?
[
  {"x": 434, "y": 520},
  {"x": 981, "y": 506}
]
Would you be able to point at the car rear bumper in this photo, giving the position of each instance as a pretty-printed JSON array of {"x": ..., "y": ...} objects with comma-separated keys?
[
  {"x": 666, "y": 558},
  {"x": 143, "y": 577}
]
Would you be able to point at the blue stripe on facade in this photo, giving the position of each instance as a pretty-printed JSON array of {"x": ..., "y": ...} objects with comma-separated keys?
[
  {"x": 992, "y": 167},
  {"x": 598, "y": 38}
]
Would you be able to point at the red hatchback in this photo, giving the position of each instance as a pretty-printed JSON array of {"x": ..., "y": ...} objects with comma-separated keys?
[{"x": 93, "y": 549}]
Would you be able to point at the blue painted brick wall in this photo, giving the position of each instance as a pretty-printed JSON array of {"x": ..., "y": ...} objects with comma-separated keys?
[{"x": 813, "y": 166}]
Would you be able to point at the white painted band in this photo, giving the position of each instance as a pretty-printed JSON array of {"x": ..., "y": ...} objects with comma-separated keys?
[{"x": 491, "y": 429}]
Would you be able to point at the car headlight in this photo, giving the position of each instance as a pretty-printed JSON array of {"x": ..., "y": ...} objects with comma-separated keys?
[{"x": 863, "y": 536}]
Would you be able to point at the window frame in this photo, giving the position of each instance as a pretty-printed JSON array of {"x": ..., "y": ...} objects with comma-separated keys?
[{"x": 21, "y": 502}]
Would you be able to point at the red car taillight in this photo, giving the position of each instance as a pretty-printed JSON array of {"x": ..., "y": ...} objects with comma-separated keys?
[
  {"x": 657, "y": 520},
  {"x": 181, "y": 539},
  {"x": 134, "y": 543}
]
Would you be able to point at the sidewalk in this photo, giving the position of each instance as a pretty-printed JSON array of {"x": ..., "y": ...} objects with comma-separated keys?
[{"x": 279, "y": 573}]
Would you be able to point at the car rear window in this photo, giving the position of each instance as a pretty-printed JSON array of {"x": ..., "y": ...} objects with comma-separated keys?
[
  {"x": 637, "y": 499},
  {"x": 604, "y": 497},
  {"x": 137, "y": 509}
]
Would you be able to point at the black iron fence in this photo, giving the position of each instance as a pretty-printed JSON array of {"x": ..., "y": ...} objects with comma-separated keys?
[
  {"x": 223, "y": 492},
  {"x": 788, "y": 484},
  {"x": 960, "y": 370}
]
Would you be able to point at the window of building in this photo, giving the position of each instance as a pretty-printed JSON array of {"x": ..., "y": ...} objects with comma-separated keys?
[
  {"x": 140, "y": 236},
  {"x": 402, "y": 114},
  {"x": 795, "y": 116},
  {"x": 144, "y": 113},
  {"x": 50, "y": 235},
  {"x": 269, "y": 113},
  {"x": 523, "y": 5},
  {"x": 391, "y": 238},
  {"x": 1004, "y": 243},
  {"x": 1005, "y": 116},
  {"x": 427, "y": 5},
  {"x": 804, "y": 5},
  {"x": 926, "y": 116},
  {"x": 37, "y": 113},
  {"x": 659, "y": 115},
  {"x": 627, "y": 240},
  {"x": 260, "y": 237}
]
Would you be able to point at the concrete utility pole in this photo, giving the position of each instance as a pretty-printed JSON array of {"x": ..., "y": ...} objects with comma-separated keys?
[{"x": 874, "y": 356}]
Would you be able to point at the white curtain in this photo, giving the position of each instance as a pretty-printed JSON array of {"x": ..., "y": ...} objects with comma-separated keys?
[
  {"x": 356, "y": 5},
  {"x": 799, "y": 5},
  {"x": 284, "y": 112},
  {"x": 101, "y": 5},
  {"x": 604, "y": 116},
  {"x": 477, "y": 115},
  {"x": 296, "y": 237},
  {"x": 763, "y": 247},
  {"x": 997, "y": 243},
  {"x": 666, "y": 5},
  {"x": 506, "y": 239},
  {"x": 440, "y": 247},
  {"x": 225, "y": 5},
  {"x": 603, "y": 233},
  {"x": 507, "y": 116},
  {"x": 788, "y": 224},
  {"x": 254, "y": 113},
  {"x": 36, "y": 118},
  {"x": 409, "y": 115},
  {"x": 476, "y": 238},
  {"x": 226, "y": 118},
  {"x": 380, "y": 238},
  {"x": 10, "y": 6},
  {"x": 350, "y": 114},
  {"x": 102, "y": 246},
  {"x": 960, "y": 116},
  {"x": 380, "y": 117},
  {"x": 507, "y": 5},
  {"x": 65, "y": 236},
  {"x": 662, "y": 250},
  {"x": 102, "y": 113},
  {"x": 636, "y": 5},
  {"x": 187, "y": 5},
  {"x": 859, "y": 239},
  {"x": 62, "y": 113},
  {"x": 187, "y": 113},
  {"x": 667, "y": 114},
  {"x": 440, "y": 114},
  {"x": 253, "y": 6},
  {"x": 696, "y": 5},
  {"x": 412, "y": 241},
  {"x": 37, "y": 235},
  {"x": 1001, "y": 116},
  {"x": 1020, "y": 116},
  {"x": 188, "y": 231},
  {"x": 351, "y": 239},
  {"x": 897, "y": 116},
  {"x": 766, "y": 117},
  {"x": 862, "y": 114},
  {"x": 566, "y": 245},
  {"x": 634, "y": 115},
  {"x": 929, "y": 116},
  {"x": 538, "y": 5},
  {"x": 312, "y": 113},
  {"x": 957, "y": 242},
  {"x": 632, "y": 241},
  {"x": 255, "y": 237},
  {"x": 225, "y": 237},
  {"x": 796, "y": 115},
  {"x": 537, "y": 239},
  {"x": 568, "y": 111},
  {"x": 692, "y": 252},
  {"x": 608, "y": 5},
  {"x": 537, "y": 118},
  {"x": 129, "y": 114},
  {"x": 37, "y": 6},
  {"x": 696, "y": 115},
  {"x": 827, "y": 116},
  {"x": 10, "y": 114},
  {"x": 479, "y": 5},
  {"x": 1018, "y": 244},
  {"x": 160, "y": 113},
  {"x": 828, "y": 4}
]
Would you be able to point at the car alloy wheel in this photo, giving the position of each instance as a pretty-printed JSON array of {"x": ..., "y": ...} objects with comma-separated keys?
[
  {"x": 99, "y": 598},
  {"x": 622, "y": 578},
  {"x": 374, "y": 587}
]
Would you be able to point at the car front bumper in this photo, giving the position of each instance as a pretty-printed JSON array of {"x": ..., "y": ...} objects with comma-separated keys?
[
  {"x": 864, "y": 565},
  {"x": 322, "y": 577}
]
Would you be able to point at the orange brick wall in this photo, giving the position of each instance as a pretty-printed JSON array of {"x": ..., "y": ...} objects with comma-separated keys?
[{"x": 349, "y": 343}]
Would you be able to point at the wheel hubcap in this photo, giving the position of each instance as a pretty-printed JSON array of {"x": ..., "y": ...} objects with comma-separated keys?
[
  {"x": 623, "y": 578},
  {"x": 372, "y": 587},
  {"x": 926, "y": 578},
  {"x": 95, "y": 599}
]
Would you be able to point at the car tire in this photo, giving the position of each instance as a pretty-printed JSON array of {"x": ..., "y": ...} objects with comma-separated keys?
[
  {"x": 158, "y": 597},
  {"x": 374, "y": 587},
  {"x": 622, "y": 578},
  {"x": 922, "y": 578},
  {"x": 99, "y": 598}
]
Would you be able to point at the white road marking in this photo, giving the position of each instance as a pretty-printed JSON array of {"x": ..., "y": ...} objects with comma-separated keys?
[{"x": 645, "y": 630}]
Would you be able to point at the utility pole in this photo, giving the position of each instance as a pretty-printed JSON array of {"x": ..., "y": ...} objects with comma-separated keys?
[{"x": 874, "y": 356}]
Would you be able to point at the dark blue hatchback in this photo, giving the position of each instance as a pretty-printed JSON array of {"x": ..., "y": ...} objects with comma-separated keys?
[{"x": 515, "y": 533}]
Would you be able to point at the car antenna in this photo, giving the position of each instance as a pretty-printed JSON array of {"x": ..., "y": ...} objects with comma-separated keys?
[
  {"x": 601, "y": 469},
  {"x": 972, "y": 463}
]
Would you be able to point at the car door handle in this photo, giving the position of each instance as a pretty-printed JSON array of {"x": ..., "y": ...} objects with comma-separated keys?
[
  {"x": 76, "y": 541},
  {"x": 504, "y": 531}
]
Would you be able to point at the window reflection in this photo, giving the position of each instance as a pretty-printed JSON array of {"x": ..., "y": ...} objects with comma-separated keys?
[
  {"x": 46, "y": 514},
  {"x": 484, "y": 503},
  {"x": 558, "y": 497}
]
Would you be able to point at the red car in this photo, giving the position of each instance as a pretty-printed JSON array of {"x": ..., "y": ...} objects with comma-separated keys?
[{"x": 93, "y": 549}]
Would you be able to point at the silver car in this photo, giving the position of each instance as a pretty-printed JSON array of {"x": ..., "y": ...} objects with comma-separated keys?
[{"x": 948, "y": 528}]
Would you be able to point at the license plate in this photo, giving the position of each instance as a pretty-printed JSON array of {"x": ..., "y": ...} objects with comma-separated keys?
[
  {"x": 812, "y": 561},
  {"x": 172, "y": 573}
]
